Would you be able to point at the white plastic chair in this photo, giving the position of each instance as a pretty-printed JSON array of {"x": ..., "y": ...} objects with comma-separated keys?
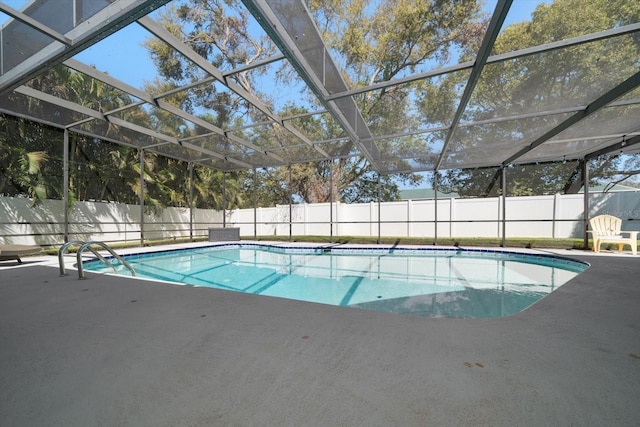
[{"x": 607, "y": 229}]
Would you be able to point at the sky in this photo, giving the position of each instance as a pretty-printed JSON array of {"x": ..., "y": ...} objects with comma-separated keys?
[{"x": 123, "y": 56}]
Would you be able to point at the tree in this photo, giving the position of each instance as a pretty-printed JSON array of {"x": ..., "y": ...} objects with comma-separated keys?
[
  {"x": 381, "y": 41},
  {"x": 375, "y": 41},
  {"x": 550, "y": 81},
  {"x": 21, "y": 168},
  {"x": 98, "y": 169}
]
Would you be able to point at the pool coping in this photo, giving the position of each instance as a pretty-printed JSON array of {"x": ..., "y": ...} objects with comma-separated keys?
[
  {"x": 351, "y": 248},
  {"x": 462, "y": 288}
]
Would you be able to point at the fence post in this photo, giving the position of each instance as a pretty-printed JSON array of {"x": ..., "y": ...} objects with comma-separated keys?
[
  {"x": 452, "y": 203},
  {"x": 224, "y": 199},
  {"x": 305, "y": 213},
  {"x": 337, "y": 220},
  {"x": 378, "y": 241},
  {"x": 409, "y": 205},
  {"x": 371, "y": 210},
  {"x": 259, "y": 219}
]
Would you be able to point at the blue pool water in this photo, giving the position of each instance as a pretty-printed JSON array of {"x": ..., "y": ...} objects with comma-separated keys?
[{"x": 426, "y": 282}]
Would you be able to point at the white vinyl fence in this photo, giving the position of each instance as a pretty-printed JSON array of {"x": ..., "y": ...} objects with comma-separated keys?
[
  {"x": 44, "y": 223},
  {"x": 555, "y": 216}
]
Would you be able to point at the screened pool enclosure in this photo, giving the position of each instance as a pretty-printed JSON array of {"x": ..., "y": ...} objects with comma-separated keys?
[{"x": 277, "y": 85}]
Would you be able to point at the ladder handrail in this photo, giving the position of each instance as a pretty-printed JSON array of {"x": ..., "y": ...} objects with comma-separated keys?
[
  {"x": 64, "y": 248},
  {"x": 61, "y": 252},
  {"x": 99, "y": 256},
  {"x": 106, "y": 247}
]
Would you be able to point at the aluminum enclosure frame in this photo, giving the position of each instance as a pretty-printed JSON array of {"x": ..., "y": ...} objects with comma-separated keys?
[{"x": 326, "y": 83}]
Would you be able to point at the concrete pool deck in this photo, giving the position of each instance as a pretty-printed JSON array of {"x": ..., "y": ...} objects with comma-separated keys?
[{"x": 114, "y": 351}]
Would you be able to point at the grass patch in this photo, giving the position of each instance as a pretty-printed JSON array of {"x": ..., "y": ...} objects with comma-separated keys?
[
  {"x": 132, "y": 244},
  {"x": 460, "y": 241}
]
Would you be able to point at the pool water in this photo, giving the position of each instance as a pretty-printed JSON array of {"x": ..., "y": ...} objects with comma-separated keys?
[{"x": 425, "y": 282}]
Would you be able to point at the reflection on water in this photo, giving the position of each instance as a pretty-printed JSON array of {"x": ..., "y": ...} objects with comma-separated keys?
[
  {"x": 467, "y": 284},
  {"x": 469, "y": 303}
]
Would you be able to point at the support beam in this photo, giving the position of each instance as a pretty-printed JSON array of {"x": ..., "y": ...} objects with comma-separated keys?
[
  {"x": 65, "y": 184},
  {"x": 503, "y": 186},
  {"x": 499, "y": 15},
  {"x": 330, "y": 162},
  {"x": 255, "y": 204},
  {"x": 435, "y": 206},
  {"x": 624, "y": 144},
  {"x": 163, "y": 105},
  {"x": 547, "y": 47},
  {"x": 224, "y": 200},
  {"x": 35, "y": 24},
  {"x": 619, "y": 90},
  {"x": 315, "y": 66},
  {"x": 586, "y": 209},
  {"x": 107, "y": 21},
  {"x": 190, "y": 201},
  {"x": 255, "y": 64},
  {"x": 163, "y": 34},
  {"x": 27, "y": 91},
  {"x": 141, "y": 154},
  {"x": 494, "y": 182}
]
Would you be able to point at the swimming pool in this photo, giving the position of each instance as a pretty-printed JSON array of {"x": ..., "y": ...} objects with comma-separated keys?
[{"x": 419, "y": 281}]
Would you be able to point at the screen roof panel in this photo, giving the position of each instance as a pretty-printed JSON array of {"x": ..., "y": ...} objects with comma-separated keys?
[
  {"x": 496, "y": 96},
  {"x": 552, "y": 80}
]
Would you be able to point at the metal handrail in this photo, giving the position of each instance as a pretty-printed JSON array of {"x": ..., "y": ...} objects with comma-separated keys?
[
  {"x": 61, "y": 252},
  {"x": 106, "y": 247},
  {"x": 64, "y": 248}
]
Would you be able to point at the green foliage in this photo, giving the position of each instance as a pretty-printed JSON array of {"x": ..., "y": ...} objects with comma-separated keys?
[
  {"x": 374, "y": 42},
  {"x": 542, "y": 83},
  {"x": 380, "y": 41},
  {"x": 377, "y": 43},
  {"x": 564, "y": 77},
  {"x": 24, "y": 166},
  {"x": 22, "y": 170}
]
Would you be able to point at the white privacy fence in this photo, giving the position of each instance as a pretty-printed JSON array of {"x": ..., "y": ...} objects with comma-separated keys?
[
  {"x": 555, "y": 216},
  {"x": 44, "y": 223}
]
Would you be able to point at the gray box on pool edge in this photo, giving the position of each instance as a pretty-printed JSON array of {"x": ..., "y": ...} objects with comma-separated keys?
[{"x": 224, "y": 234}]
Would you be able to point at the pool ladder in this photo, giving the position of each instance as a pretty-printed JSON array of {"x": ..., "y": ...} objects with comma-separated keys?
[{"x": 88, "y": 245}]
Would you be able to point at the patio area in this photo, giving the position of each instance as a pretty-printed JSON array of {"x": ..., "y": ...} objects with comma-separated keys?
[
  {"x": 115, "y": 351},
  {"x": 145, "y": 121}
]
